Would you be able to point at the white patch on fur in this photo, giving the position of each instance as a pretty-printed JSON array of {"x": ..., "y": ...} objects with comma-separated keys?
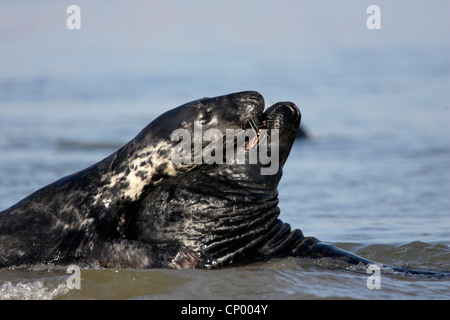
[
  {"x": 139, "y": 175},
  {"x": 136, "y": 186},
  {"x": 107, "y": 202}
]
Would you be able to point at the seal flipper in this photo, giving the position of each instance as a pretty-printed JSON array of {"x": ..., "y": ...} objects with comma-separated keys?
[
  {"x": 279, "y": 240},
  {"x": 318, "y": 249},
  {"x": 282, "y": 242},
  {"x": 313, "y": 248},
  {"x": 286, "y": 242}
]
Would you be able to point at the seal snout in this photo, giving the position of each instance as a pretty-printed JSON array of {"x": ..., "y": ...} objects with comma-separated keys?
[
  {"x": 253, "y": 97},
  {"x": 290, "y": 109},
  {"x": 286, "y": 110},
  {"x": 295, "y": 111},
  {"x": 252, "y": 101},
  {"x": 249, "y": 105}
]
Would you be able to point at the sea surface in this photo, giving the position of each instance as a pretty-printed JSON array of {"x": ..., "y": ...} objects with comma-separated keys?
[{"x": 372, "y": 178}]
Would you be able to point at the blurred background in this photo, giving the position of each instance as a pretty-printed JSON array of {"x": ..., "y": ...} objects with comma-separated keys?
[{"x": 374, "y": 102}]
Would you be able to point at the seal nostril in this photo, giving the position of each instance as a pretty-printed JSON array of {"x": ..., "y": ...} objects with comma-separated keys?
[
  {"x": 253, "y": 97},
  {"x": 251, "y": 104},
  {"x": 295, "y": 111},
  {"x": 289, "y": 106}
]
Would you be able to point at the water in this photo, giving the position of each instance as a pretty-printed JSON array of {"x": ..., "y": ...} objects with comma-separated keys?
[{"x": 373, "y": 179}]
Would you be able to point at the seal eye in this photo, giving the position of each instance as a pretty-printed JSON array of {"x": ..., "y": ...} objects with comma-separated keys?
[{"x": 205, "y": 117}]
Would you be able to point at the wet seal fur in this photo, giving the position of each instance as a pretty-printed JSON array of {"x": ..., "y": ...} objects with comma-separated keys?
[{"x": 139, "y": 209}]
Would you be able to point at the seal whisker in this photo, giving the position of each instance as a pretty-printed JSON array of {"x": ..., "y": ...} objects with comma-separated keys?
[{"x": 254, "y": 125}]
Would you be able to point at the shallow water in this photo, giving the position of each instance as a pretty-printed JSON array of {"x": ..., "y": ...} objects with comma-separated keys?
[
  {"x": 372, "y": 179},
  {"x": 286, "y": 279}
]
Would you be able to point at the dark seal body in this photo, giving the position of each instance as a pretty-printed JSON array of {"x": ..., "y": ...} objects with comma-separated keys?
[
  {"x": 138, "y": 208},
  {"x": 84, "y": 216}
]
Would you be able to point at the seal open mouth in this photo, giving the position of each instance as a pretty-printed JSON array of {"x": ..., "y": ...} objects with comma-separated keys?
[
  {"x": 269, "y": 120},
  {"x": 275, "y": 129},
  {"x": 258, "y": 127}
]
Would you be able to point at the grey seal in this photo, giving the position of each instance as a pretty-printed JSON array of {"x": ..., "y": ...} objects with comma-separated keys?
[{"x": 138, "y": 208}]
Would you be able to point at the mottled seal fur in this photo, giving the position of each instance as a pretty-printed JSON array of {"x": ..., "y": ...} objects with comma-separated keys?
[
  {"x": 139, "y": 209},
  {"x": 83, "y": 216}
]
